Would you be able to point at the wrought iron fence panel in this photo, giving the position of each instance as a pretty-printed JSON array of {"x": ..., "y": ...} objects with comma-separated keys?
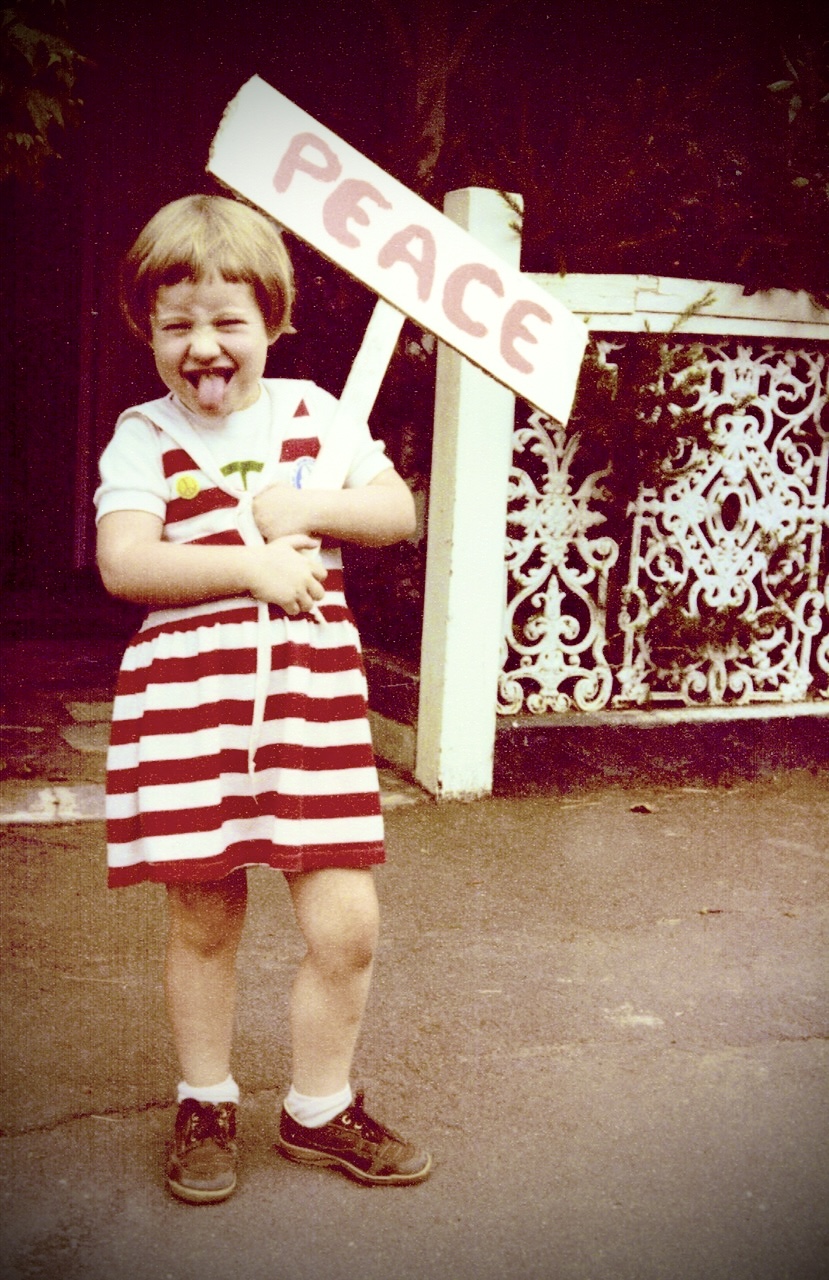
[{"x": 710, "y": 589}]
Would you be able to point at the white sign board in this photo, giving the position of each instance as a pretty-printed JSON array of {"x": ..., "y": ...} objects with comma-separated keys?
[{"x": 276, "y": 156}]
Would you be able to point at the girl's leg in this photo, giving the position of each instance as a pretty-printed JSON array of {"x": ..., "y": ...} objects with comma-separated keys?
[
  {"x": 338, "y": 913},
  {"x": 205, "y": 926}
]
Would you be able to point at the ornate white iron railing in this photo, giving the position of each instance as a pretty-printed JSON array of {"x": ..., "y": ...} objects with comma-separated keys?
[
  {"x": 701, "y": 596},
  {"x": 712, "y": 590}
]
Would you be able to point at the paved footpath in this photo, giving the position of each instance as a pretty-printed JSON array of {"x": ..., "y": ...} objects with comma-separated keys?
[{"x": 605, "y": 1012}]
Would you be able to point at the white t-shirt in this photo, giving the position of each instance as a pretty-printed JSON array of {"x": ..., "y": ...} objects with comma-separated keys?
[{"x": 132, "y": 474}]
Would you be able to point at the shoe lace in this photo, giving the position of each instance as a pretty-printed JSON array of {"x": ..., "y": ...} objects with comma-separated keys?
[
  {"x": 356, "y": 1117},
  {"x": 208, "y": 1122}
]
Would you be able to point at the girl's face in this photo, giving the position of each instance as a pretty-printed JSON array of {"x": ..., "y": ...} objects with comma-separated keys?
[{"x": 210, "y": 344}]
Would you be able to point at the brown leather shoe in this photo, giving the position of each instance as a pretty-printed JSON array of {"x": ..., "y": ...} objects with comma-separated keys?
[
  {"x": 358, "y": 1146},
  {"x": 201, "y": 1166}
]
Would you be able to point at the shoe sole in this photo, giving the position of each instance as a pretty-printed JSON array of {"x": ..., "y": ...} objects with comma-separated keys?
[
  {"x": 197, "y": 1195},
  {"x": 301, "y": 1155}
]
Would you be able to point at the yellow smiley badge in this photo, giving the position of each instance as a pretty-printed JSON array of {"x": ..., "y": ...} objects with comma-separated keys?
[{"x": 187, "y": 486}]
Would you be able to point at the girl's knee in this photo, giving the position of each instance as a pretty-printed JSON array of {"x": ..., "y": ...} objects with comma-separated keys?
[
  {"x": 348, "y": 940},
  {"x": 355, "y": 942},
  {"x": 208, "y": 918},
  {"x": 340, "y": 919}
]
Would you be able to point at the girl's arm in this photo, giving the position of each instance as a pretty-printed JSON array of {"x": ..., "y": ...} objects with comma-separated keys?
[
  {"x": 135, "y": 564},
  {"x": 373, "y": 515}
]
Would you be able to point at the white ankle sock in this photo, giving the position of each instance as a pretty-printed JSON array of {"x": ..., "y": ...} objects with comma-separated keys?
[
  {"x": 315, "y": 1112},
  {"x": 227, "y": 1091}
]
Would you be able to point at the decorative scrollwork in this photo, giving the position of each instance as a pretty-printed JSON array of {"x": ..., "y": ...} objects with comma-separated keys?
[
  {"x": 559, "y": 573},
  {"x": 735, "y": 534}
]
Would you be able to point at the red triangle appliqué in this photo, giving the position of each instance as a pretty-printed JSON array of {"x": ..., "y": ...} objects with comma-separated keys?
[{"x": 302, "y": 410}]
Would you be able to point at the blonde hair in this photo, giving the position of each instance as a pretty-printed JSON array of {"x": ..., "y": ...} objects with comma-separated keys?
[{"x": 198, "y": 236}]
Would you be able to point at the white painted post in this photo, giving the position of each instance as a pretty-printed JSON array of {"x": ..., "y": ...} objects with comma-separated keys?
[{"x": 465, "y": 573}]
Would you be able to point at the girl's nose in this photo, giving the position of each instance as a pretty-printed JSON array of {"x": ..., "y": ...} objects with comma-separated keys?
[{"x": 204, "y": 344}]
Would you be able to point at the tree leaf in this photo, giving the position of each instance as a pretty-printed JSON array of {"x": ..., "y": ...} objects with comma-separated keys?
[{"x": 44, "y": 109}]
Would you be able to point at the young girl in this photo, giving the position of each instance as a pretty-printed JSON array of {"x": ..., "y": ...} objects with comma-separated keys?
[{"x": 239, "y": 732}]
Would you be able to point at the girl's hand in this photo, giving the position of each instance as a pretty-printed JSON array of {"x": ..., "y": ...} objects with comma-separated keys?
[
  {"x": 136, "y": 564},
  {"x": 281, "y": 510},
  {"x": 287, "y": 572}
]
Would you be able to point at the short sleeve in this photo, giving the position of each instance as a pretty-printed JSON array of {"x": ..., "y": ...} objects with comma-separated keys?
[
  {"x": 132, "y": 476},
  {"x": 370, "y": 460}
]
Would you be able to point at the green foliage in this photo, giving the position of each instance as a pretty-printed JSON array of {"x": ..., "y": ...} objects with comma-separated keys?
[
  {"x": 677, "y": 638},
  {"x": 805, "y": 91},
  {"x": 38, "y": 74},
  {"x": 641, "y": 412},
  {"x": 804, "y": 163},
  {"x": 642, "y": 415},
  {"x": 710, "y": 166}
]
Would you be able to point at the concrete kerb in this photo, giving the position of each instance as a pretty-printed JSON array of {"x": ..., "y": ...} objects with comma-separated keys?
[{"x": 22, "y": 804}]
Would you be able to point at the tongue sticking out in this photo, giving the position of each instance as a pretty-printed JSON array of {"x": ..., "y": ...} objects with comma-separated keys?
[{"x": 210, "y": 391}]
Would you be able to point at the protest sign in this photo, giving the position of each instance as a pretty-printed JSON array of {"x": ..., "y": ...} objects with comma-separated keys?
[{"x": 275, "y": 155}]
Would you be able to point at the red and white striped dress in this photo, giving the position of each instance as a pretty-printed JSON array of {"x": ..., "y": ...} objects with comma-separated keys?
[{"x": 239, "y": 735}]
